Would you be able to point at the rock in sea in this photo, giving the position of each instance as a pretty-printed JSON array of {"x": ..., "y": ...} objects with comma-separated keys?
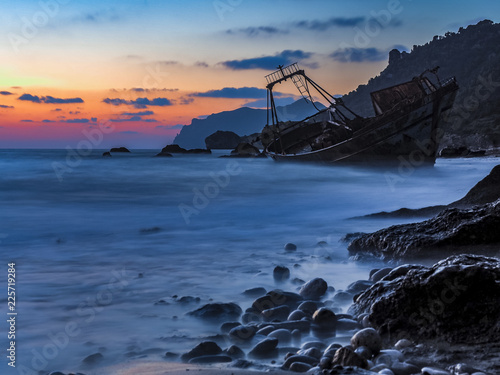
[
  {"x": 368, "y": 337},
  {"x": 202, "y": 349},
  {"x": 281, "y": 273},
  {"x": 314, "y": 289},
  {"x": 217, "y": 312}
]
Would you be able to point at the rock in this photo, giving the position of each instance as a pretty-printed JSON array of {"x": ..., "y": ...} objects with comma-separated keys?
[
  {"x": 217, "y": 311},
  {"x": 300, "y": 367},
  {"x": 276, "y": 298},
  {"x": 433, "y": 371},
  {"x": 279, "y": 313},
  {"x": 284, "y": 336},
  {"x": 202, "y": 349},
  {"x": 462, "y": 368},
  {"x": 301, "y": 325},
  {"x": 176, "y": 149},
  {"x": 314, "y": 289},
  {"x": 227, "y": 326},
  {"x": 164, "y": 154},
  {"x": 210, "y": 359},
  {"x": 380, "y": 274},
  {"x": 281, "y": 273},
  {"x": 266, "y": 330},
  {"x": 313, "y": 344},
  {"x": 265, "y": 349},
  {"x": 403, "y": 368},
  {"x": 324, "y": 318},
  {"x": 311, "y": 352},
  {"x": 485, "y": 191},
  {"x": 222, "y": 140},
  {"x": 454, "y": 152},
  {"x": 359, "y": 286},
  {"x": 341, "y": 297},
  {"x": 299, "y": 358},
  {"x": 106, "y": 154},
  {"x": 364, "y": 352},
  {"x": 395, "y": 355},
  {"x": 255, "y": 292},
  {"x": 368, "y": 337},
  {"x": 234, "y": 352},
  {"x": 455, "y": 301},
  {"x": 171, "y": 356},
  {"x": 347, "y": 324},
  {"x": 93, "y": 359},
  {"x": 119, "y": 149},
  {"x": 296, "y": 315},
  {"x": 345, "y": 356},
  {"x": 250, "y": 317},
  {"x": 245, "y": 150},
  {"x": 188, "y": 299},
  {"x": 402, "y": 344},
  {"x": 290, "y": 247},
  {"x": 242, "y": 333},
  {"x": 386, "y": 371},
  {"x": 309, "y": 307},
  {"x": 452, "y": 231}
]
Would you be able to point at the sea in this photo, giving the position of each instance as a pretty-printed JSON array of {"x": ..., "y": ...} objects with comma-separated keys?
[{"x": 104, "y": 249}]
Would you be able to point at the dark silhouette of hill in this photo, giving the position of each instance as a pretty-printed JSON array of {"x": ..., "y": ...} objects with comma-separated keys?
[
  {"x": 242, "y": 121},
  {"x": 472, "y": 55}
]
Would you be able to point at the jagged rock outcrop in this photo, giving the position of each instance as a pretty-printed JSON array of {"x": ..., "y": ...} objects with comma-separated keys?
[
  {"x": 452, "y": 231},
  {"x": 455, "y": 301},
  {"x": 222, "y": 140},
  {"x": 119, "y": 149},
  {"x": 176, "y": 149}
]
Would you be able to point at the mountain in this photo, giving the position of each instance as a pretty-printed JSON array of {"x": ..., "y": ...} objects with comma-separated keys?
[
  {"x": 242, "y": 121},
  {"x": 472, "y": 55}
]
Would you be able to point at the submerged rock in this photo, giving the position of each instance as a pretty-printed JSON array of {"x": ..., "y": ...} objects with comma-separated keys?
[
  {"x": 202, "y": 349},
  {"x": 281, "y": 273},
  {"x": 369, "y": 338},
  {"x": 106, "y": 154},
  {"x": 176, "y": 149},
  {"x": 290, "y": 247},
  {"x": 345, "y": 356},
  {"x": 222, "y": 140},
  {"x": 455, "y": 301},
  {"x": 265, "y": 349},
  {"x": 452, "y": 231},
  {"x": 119, "y": 149},
  {"x": 276, "y": 298},
  {"x": 245, "y": 150},
  {"x": 217, "y": 312},
  {"x": 314, "y": 289}
]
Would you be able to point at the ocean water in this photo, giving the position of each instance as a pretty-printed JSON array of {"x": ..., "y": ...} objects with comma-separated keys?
[{"x": 102, "y": 245}]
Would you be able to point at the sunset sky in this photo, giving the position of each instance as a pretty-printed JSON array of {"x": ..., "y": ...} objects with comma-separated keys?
[{"x": 140, "y": 69}]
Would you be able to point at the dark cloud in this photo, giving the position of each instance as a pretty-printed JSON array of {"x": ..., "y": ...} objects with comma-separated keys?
[
  {"x": 26, "y": 120},
  {"x": 185, "y": 101},
  {"x": 129, "y": 132},
  {"x": 235, "y": 93},
  {"x": 201, "y": 64},
  {"x": 49, "y": 99},
  {"x": 141, "y": 113},
  {"x": 97, "y": 17},
  {"x": 268, "y": 62},
  {"x": 77, "y": 121},
  {"x": 133, "y": 118},
  {"x": 322, "y": 25},
  {"x": 93, "y": 119},
  {"x": 6, "y": 106},
  {"x": 346, "y": 55},
  {"x": 56, "y": 110},
  {"x": 6, "y": 93},
  {"x": 257, "y": 31},
  {"x": 140, "y": 103},
  {"x": 48, "y": 121}
]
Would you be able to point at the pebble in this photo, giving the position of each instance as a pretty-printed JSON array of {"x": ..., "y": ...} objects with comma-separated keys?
[
  {"x": 301, "y": 325},
  {"x": 284, "y": 336},
  {"x": 313, "y": 344},
  {"x": 279, "y": 313},
  {"x": 387, "y": 371},
  {"x": 255, "y": 292},
  {"x": 309, "y": 307},
  {"x": 296, "y": 336},
  {"x": 242, "y": 333},
  {"x": 266, "y": 330},
  {"x": 324, "y": 318},
  {"x": 380, "y": 274},
  {"x": 281, "y": 273},
  {"x": 217, "y": 311},
  {"x": 364, "y": 352},
  {"x": 434, "y": 371},
  {"x": 359, "y": 286},
  {"x": 202, "y": 349},
  {"x": 403, "y": 368},
  {"x": 265, "y": 348},
  {"x": 250, "y": 317},
  {"x": 395, "y": 355},
  {"x": 314, "y": 289},
  {"x": 347, "y": 324},
  {"x": 403, "y": 343},
  {"x": 300, "y": 358},
  {"x": 300, "y": 367},
  {"x": 234, "y": 352},
  {"x": 210, "y": 359},
  {"x": 296, "y": 315},
  {"x": 227, "y": 326},
  {"x": 345, "y": 356},
  {"x": 290, "y": 247},
  {"x": 342, "y": 297},
  {"x": 368, "y": 337}
]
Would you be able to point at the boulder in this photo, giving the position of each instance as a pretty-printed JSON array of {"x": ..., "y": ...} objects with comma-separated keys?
[
  {"x": 345, "y": 356},
  {"x": 202, "y": 349},
  {"x": 279, "y": 313},
  {"x": 264, "y": 349},
  {"x": 281, "y": 273},
  {"x": 176, "y": 149},
  {"x": 242, "y": 333},
  {"x": 485, "y": 191},
  {"x": 276, "y": 298},
  {"x": 217, "y": 312},
  {"x": 119, "y": 149},
  {"x": 222, "y": 140},
  {"x": 367, "y": 337},
  {"x": 164, "y": 154},
  {"x": 245, "y": 150},
  {"x": 314, "y": 289},
  {"x": 290, "y": 247},
  {"x": 453, "y": 231},
  {"x": 106, "y": 154},
  {"x": 454, "y": 301},
  {"x": 324, "y": 318}
]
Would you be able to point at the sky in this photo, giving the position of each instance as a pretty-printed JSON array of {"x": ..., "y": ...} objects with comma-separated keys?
[{"x": 131, "y": 73}]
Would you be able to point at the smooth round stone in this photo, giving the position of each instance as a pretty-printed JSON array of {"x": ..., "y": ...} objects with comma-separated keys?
[
  {"x": 255, "y": 292},
  {"x": 325, "y": 318},
  {"x": 226, "y": 327},
  {"x": 264, "y": 349},
  {"x": 309, "y": 307},
  {"x": 234, "y": 352},
  {"x": 347, "y": 324},
  {"x": 314, "y": 289},
  {"x": 384, "y": 359},
  {"x": 296, "y": 315},
  {"x": 204, "y": 348},
  {"x": 434, "y": 371},
  {"x": 403, "y": 368},
  {"x": 266, "y": 330},
  {"x": 300, "y": 367},
  {"x": 283, "y": 335},
  {"x": 396, "y": 355},
  {"x": 342, "y": 297},
  {"x": 300, "y": 358},
  {"x": 210, "y": 359},
  {"x": 249, "y": 317},
  {"x": 311, "y": 352},
  {"x": 368, "y": 337},
  {"x": 387, "y": 371},
  {"x": 281, "y": 273},
  {"x": 380, "y": 274},
  {"x": 279, "y": 313},
  {"x": 364, "y": 352},
  {"x": 296, "y": 336},
  {"x": 366, "y": 322},
  {"x": 313, "y": 344},
  {"x": 242, "y": 333},
  {"x": 359, "y": 286},
  {"x": 290, "y": 247},
  {"x": 403, "y": 343},
  {"x": 372, "y": 272},
  {"x": 378, "y": 368}
]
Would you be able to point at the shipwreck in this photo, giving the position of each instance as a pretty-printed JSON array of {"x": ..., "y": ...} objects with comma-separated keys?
[{"x": 406, "y": 122}]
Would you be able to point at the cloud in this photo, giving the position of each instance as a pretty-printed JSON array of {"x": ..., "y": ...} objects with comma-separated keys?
[
  {"x": 6, "y": 93},
  {"x": 257, "y": 31},
  {"x": 129, "y": 132},
  {"x": 285, "y": 57},
  {"x": 142, "y": 113},
  {"x": 140, "y": 103},
  {"x": 322, "y": 25},
  {"x": 56, "y": 110},
  {"x": 6, "y": 106},
  {"x": 185, "y": 101},
  {"x": 262, "y": 103},
  {"x": 49, "y": 99},
  {"x": 133, "y": 118},
  {"x": 93, "y": 119},
  {"x": 235, "y": 93},
  {"x": 48, "y": 121},
  {"x": 201, "y": 64},
  {"x": 357, "y": 55},
  {"x": 77, "y": 121},
  {"x": 97, "y": 17},
  {"x": 26, "y": 120}
]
